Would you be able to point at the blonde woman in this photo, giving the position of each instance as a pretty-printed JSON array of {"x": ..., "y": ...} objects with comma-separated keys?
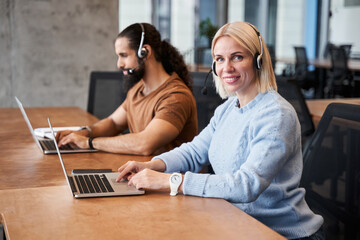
[{"x": 253, "y": 143}]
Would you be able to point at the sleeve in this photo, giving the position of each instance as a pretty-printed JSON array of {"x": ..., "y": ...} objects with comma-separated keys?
[
  {"x": 274, "y": 136},
  {"x": 192, "y": 156},
  {"x": 176, "y": 108}
]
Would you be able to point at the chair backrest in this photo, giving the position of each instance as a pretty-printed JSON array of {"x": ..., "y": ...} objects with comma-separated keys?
[
  {"x": 289, "y": 89},
  {"x": 347, "y": 49},
  {"x": 272, "y": 52},
  {"x": 331, "y": 174},
  {"x": 327, "y": 49},
  {"x": 205, "y": 104},
  {"x": 105, "y": 93},
  {"x": 301, "y": 63},
  {"x": 339, "y": 60}
]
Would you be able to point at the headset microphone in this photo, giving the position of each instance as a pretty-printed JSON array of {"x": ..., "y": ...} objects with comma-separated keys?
[
  {"x": 204, "y": 89},
  {"x": 132, "y": 70}
]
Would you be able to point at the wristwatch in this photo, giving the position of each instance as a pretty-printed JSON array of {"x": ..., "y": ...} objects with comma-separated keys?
[
  {"x": 88, "y": 129},
  {"x": 175, "y": 182}
]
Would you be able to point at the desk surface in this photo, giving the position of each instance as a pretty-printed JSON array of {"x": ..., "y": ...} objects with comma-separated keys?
[
  {"x": 21, "y": 159},
  {"x": 31, "y": 209},
  {"x": 317, "y": 106},
  {"x": 154, "y": 215}
]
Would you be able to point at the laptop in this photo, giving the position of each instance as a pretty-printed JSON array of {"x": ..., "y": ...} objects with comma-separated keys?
[
  {"x": 43, "y": 136},
  {"x": 95, "y": 185}
]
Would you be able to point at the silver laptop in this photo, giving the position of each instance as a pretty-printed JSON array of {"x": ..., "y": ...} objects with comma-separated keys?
[
  {"x": 43, "y": 136},
  {"x": 95, "y": 185}
]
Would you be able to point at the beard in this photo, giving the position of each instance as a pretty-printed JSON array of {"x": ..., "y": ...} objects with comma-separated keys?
[{"x": 131, "y": 79}]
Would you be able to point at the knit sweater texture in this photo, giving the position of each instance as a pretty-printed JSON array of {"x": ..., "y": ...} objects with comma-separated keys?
[{"x": 255, "y": 152}]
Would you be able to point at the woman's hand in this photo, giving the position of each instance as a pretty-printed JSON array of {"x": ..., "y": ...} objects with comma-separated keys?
[
  {"x": 130, "y": 168},
  {"x": 150, "y": 179}
]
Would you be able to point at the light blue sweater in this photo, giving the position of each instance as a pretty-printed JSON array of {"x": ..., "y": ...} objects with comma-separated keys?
[{"x": 255, "y": 152}]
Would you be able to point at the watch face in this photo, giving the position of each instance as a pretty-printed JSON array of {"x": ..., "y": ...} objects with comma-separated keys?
[{"x": 176, "y": 179}]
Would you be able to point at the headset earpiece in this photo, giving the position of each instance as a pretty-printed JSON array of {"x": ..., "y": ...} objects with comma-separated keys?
[
  {"x": 257, "y": 61},
  {"x": 213, "y": 68},
  {"x": 142, "y": 51},
  {"x": 258, "y": 56}
]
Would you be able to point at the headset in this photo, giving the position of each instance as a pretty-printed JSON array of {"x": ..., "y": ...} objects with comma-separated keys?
[
  {"x": 257, "y": 56},
  {"x": 142, "y": 51}
]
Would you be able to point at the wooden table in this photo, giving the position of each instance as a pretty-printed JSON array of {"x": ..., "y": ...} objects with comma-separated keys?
[
  {"x": 31, "y": 209},
  {"x": 21, "y": 158},
  {"x": 317, "y": 106}
]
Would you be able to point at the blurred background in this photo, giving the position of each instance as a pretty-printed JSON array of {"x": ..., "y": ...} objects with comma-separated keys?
[{"x": 48, "y": 48}]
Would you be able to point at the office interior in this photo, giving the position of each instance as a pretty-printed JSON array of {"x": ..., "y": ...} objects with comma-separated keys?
[{"x": 49, "y": 48}]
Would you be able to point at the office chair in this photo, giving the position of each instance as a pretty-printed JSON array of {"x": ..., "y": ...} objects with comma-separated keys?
[
  {"x": 272, "y": 52},
  {"x": 327, "y": 50},
  {"x": 347, "y": 49},
  {"x": 105, "y": 93},
  {"x": 331, "y": 174},
  {"x": 289, "y": 89},
  {"x": 340, "y": 78},
  {"x": 2, "y": 232},
  {"x": 205, "y": 104},
  {"x": 306, "y": 79}
]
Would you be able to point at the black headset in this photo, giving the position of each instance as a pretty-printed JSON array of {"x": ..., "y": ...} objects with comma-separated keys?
[
  {"x": 257, "y": 56},
  {"x": 142, "y": 51}
]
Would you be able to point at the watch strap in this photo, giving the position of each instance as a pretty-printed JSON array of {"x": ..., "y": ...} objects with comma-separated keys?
[{"x": 90, "y": 143}]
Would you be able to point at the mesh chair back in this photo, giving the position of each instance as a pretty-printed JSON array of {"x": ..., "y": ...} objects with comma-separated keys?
[
  {"x": 347, "y": 49},
  {"x": 301, "y": 64},
  {"x": 105, "y": 93},
  {"x": 306, "y": 79},
  {"x": 205, "y": 104},
  {"x": 289, "y": 89},
  {"x": 340, "y": 80},
  {"x": 331, "y": 173}
]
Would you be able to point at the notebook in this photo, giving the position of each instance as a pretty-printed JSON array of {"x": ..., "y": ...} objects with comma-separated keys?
[
  {"x": 43, "y": 136},
  {"x": 95, "y": 185}
]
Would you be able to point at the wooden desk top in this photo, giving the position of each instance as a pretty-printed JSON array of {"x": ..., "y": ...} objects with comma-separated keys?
[
  {"x": 52, "y": 213},
  {"x": 23, "y": 165},
  {"x": 31, "y": 209},
  {"x": 317, "y": 106}
]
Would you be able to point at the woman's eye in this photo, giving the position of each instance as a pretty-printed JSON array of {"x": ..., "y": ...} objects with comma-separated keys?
[
  {"x": 238, "y": 58},
  {"x": 219, "y": 59}
]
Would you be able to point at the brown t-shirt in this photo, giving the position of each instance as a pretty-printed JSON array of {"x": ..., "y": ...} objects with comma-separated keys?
[{"x": 172, "y": 102}]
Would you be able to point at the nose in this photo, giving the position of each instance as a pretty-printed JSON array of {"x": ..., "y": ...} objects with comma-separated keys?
[
  {"x": 228, "y": 66},
  {"x": 119, "y": 63}
]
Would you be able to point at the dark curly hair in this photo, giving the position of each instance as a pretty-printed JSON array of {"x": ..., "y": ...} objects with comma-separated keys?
[{"x": 164, "y": 52}]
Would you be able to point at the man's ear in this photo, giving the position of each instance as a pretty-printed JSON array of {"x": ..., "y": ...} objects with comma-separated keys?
[{"x": 148, "y": 50}]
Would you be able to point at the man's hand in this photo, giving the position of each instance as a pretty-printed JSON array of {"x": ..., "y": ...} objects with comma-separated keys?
[{"x": 74, "y": 139}]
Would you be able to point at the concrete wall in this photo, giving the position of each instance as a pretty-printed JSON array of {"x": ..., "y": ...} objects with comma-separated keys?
[{"x": 48, "y": 49}]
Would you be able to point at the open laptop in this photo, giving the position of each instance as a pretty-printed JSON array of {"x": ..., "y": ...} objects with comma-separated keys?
[
  {"x": 95, "y": 185},
  {"x": 43, "y": 136}
]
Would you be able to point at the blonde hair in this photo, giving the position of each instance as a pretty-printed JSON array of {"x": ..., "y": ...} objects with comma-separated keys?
[{"x": 245, "y": 34}]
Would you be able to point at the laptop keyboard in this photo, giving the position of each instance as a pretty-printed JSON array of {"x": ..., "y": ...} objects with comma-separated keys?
[
  {"x": 92, "y": 183},
  {"x": 50, "y": 145}
]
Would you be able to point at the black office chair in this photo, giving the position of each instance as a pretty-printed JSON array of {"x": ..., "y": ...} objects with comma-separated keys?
[
  {"x": 340, "y": 79},
  {"x": 327, "y": 50},
  {"x": 331, "y": 173},
  {"x": 347, "y": 49},
  {"x": 205, "y": 104},
  {"x": 105, "y": 93},
  {"x": 272, "y": 52},
  {"x": 2, "y": 232},
  {"x": 306, "y": 79},
  {"x": 289, "y": 89}
]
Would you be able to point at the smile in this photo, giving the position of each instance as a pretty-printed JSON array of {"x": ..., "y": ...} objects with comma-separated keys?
[{"x": 230, "y": 80}]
